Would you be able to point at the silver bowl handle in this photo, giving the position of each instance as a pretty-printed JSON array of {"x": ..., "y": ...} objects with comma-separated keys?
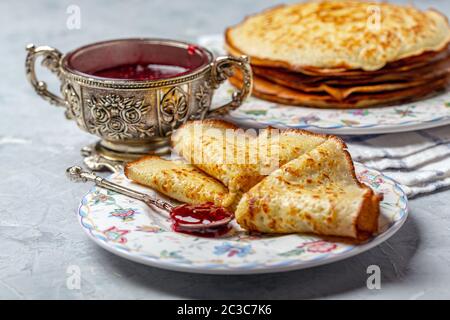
[
  {"x": 222, "y": 70},
  {"x": 51, "y": 60}
]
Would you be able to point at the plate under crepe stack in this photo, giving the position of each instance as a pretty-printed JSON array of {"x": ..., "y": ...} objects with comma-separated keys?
[{"x": 344, "y": 54}]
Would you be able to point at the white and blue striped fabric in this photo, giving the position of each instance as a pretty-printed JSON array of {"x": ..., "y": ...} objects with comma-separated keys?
[{"x": 419, "y": 161}]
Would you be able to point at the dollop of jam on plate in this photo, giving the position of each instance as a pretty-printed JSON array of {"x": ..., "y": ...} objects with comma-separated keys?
[{"x": 205, "y": 214}]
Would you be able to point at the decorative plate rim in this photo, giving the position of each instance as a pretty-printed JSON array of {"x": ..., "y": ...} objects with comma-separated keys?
[
  {"x": 348, "y": 129},
  {"x": 263, "y": 267}
]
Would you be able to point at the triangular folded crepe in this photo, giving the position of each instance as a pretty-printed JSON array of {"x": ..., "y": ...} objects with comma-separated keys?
[
  {"x": 316, "y": 193},
  {"x": 178, "y": 180},
  {"x": 236, "y": 158}
]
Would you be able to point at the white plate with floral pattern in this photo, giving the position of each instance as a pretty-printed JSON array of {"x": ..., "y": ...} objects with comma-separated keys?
[
  {"x": 424, "y": 114},
  {"x": 132, "y": 230}
]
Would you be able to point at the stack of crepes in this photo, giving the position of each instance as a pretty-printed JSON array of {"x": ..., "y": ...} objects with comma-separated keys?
[
  {"x": 344, "y": 54},
  {"x": 276, "y": 182}
]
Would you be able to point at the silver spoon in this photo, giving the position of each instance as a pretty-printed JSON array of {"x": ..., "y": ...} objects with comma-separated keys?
[{"x": 77, "y": 174}]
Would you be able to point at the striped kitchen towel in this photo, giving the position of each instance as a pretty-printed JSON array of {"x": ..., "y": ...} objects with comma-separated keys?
[{"x": 419, "y": 160}]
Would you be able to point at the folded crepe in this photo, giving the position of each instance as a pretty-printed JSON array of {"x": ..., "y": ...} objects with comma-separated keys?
[
  {"x": 341, "y": 89},
  {"x": 225, "y": 161},
  {"x": 312, "y": 188},
  {"x": 178, "y": 180},
  {"x": 236, "y": 158},
  {"x": 316, "y": 193},
  {"x": 414, "y": 67}
]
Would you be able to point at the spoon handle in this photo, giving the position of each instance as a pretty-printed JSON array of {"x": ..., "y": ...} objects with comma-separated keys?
[{"x": 77, "y": 174}]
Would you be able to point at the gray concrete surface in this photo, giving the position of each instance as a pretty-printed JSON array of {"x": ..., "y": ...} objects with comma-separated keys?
[{"x": 40, "y": 237}]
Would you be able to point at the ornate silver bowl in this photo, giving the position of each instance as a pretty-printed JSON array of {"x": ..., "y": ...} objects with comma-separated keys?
[{"x": 135, "y": 117}]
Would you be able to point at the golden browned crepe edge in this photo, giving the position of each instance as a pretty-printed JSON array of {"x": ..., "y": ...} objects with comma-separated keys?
[
  {"x": 342, "y": 93},
  {"x": 365, "y": 222},
  {"x": 128, "y": 165},
  {"x": 417, "y": 64},
  {"x": 333, "y": 86},
  {"x": 431, "y": 71},
  {"x": 214, "y": 123},
  {"x": 219, "y": 123},
  {"x": 228, "y": 198},
  {"x": 327, "y": 101}
]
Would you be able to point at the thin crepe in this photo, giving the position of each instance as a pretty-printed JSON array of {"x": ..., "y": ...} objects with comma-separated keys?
[
  {"x": 316, "y": 193},
  {"x": 179, "y": 181},
  {"x": 314, "y": 188}
]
